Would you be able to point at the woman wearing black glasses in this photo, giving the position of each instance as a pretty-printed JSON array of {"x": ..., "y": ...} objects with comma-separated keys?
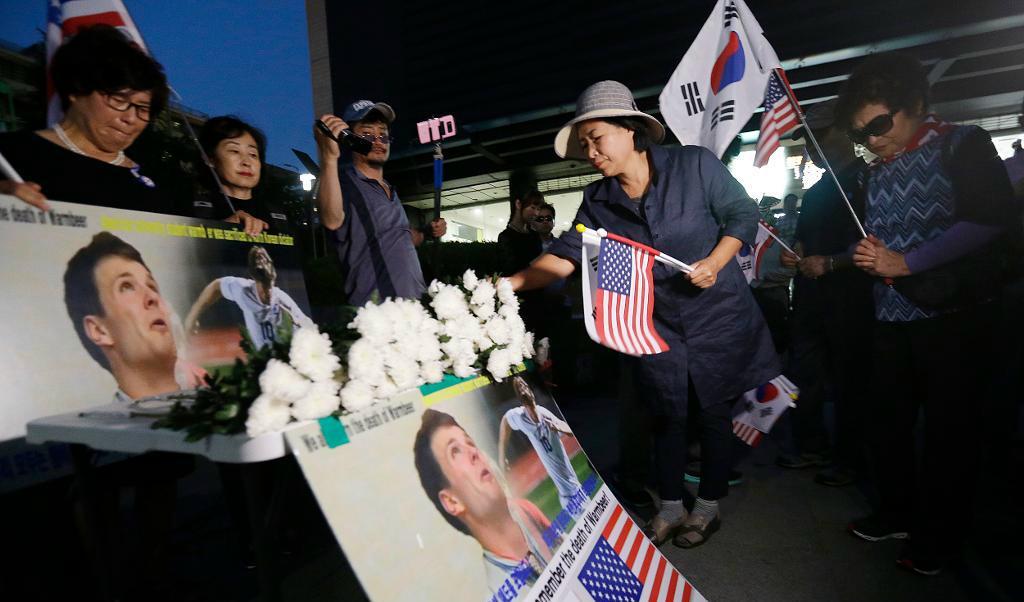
[
  {"x": 941, "y": 223},
  {"x": 109, "y": 90}
]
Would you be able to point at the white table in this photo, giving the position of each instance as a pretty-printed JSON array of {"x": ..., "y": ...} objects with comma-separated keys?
[{"x": 110, "y": 428}]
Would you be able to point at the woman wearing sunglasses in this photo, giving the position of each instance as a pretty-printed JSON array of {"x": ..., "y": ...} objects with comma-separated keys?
[
  {"x": 940, "y": 218},
  {"x": 110, "y": 90}
]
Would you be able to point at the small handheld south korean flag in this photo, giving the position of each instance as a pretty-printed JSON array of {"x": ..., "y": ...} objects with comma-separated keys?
[{"x": 758, "y": 409}]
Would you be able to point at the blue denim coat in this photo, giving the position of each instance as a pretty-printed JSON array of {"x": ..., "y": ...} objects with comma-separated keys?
[{"x": 717, "y": 336}]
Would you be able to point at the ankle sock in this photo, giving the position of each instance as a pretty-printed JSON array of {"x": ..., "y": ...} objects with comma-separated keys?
[
  {"x": 672, "y": 510},
  {"x": 706, "y": 508}
]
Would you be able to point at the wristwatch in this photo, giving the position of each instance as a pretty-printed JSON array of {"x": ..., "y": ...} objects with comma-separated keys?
[{"x": 831, "y": 263}]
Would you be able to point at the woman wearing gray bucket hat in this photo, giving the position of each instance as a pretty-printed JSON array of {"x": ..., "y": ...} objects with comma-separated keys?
[{"x": 683, "y": 202}]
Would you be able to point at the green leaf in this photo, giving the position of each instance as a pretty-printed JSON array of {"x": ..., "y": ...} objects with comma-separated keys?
[{"x": 228, "y": 412}]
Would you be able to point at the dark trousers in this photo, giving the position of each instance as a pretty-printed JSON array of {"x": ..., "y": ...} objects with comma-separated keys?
[
  {"x": 941, "y": 366},
  {"x": 774, "y": 304},
  {"x": 830, "y": 339},
  {"x": 714, "y": 429}
]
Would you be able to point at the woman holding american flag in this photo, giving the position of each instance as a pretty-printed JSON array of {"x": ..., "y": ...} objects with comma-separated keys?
[{"x": 682, "y": 202}]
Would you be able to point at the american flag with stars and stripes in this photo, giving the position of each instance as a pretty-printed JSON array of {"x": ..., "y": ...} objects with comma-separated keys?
[
  {"x": 63, "y": 20},
  {"x": 625, "y": 566},
  {"x": 624, "y": 299},
  {"x": 779, "y": 117}
]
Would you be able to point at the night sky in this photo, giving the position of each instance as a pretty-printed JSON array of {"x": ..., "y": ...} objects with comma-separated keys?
[{"x": 249, "y": 58}]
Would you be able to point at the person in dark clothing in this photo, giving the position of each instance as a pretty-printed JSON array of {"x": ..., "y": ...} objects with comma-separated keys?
[
  {"x": 832, "y": 314},
  {"x": 522, "y": 242},
  {"x": 939, "y": 210},
  {"x": 368, "y": 225},
  {"x": 523, "y": 245},
  {"x": 236, "y": 151},
  {"x": 684, "y": 202},
  {"x": 110, "y": 91}
]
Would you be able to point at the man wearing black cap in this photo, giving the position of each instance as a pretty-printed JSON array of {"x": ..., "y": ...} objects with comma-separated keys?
[
  {"x": 832, "y": 310},
  {"x": 375, "y": 243}
]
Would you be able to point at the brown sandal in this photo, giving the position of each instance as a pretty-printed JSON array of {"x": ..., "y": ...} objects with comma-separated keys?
[
  {"x": 695, "y": 531},
  {"x": 659, "y": 530}
]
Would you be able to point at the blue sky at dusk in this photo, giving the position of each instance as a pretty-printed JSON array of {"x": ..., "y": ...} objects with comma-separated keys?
[{"x": 249, "y": 58}]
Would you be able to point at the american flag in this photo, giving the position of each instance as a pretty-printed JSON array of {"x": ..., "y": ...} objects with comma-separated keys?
[
  {"x": 65, "y": 17},
  {"x": 624, "y": 303},
  {"x": 779, "y": 117},
  {"x": 625, "y": 565}
]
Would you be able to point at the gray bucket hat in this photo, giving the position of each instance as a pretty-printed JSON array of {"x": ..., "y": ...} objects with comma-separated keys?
[{"x": 603, "y": 99}]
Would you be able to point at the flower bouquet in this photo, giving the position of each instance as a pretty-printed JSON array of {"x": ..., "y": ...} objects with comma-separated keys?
[{"x": 465, "y": 328}]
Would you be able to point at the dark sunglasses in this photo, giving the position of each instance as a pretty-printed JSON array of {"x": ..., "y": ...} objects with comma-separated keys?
[
  {"x": 879, "y": 126},
  {"x": 543, "y": 218}
]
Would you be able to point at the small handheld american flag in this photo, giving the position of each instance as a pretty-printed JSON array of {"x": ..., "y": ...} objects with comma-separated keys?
[
  {"x": 780, "y": 116},
  {"x": 619, "y": 293}
]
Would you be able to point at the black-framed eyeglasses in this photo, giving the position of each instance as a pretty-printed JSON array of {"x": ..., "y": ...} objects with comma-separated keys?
[
  {"x": 382, "y": 138},
  {"x": 544, "y": 218},
  {"x": 879, "y": 126},
  {"x": 119, "y": 103}
]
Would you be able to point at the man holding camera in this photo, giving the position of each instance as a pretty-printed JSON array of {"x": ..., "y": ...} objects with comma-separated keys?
[{"x": 376, "y": 245}]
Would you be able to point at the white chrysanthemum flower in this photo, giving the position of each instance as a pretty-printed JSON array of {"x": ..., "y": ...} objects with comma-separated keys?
[
  {"x": 468, "y": 328},
  {"x": 498, "y": 329},
  {"x": 463, "y": 366},
  {"x": 483, "y": 343},
  {"x": 434, "y": 287},
  {"x": 357, "y": 395},
  {"x": 460, "y": 355},
  {"x": 499, "y": 364},
  {"x": 429, "y": 326},
  {"x": 449, "y": 303},
  {"x": 505, "y": 293},
  {"x": 322, "y": 400},
  {"x": 428, "y": 348},
  {"x": 282, "y": 381},
  {"x": 432, "y": 372},
  {"x": 484, "y": 311},
  {"x": 267, "y": 414},
  {"x": 527, "y": 347},
  {"x": 411, "y": 315},
  {"x": 311, "y": 354},
  {"x": 386, "y": 390},
  {"x": 373, "y": 323},
  {"x": 404, "y": 371},
  {"x": 366, "y": 362},
  {"x": 470, "y": 280},
  {"x": 406, "y": 346},
  {"x": 483, "y": 293}
]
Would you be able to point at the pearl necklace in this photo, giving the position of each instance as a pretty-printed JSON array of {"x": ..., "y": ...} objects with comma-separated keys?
[{"x": 119, "y": 159}]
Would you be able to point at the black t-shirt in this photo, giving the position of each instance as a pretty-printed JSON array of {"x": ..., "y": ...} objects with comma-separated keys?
[
  {"x": 523, "y": 247},
  {"x": 67, "y": 176},
  {"x": 213, "y": 206}
]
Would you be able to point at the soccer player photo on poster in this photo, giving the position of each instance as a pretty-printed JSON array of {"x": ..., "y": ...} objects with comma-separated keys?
[
  {"x": 496, "y": 501},
  {"x": 105, "y": 291}
]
